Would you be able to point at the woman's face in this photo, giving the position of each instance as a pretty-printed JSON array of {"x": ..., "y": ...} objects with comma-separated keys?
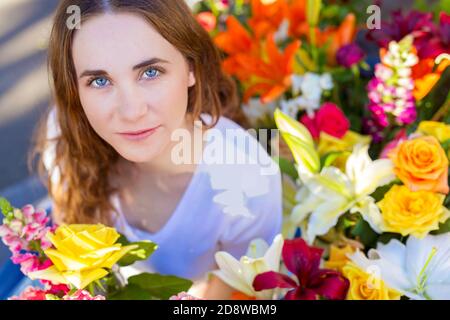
[{"x": 133, "y": 84}]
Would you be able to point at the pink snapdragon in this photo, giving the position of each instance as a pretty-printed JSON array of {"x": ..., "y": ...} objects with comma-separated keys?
[
  {"x": 24, "y": 233},
  {"x": 390, "y": 92},
  {"x": 31, "y": 293},
  {"x": 184, "y": 296},
  {"x": 82, "y": 295}
]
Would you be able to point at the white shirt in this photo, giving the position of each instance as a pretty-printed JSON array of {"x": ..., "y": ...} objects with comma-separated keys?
[{"x": 225, "y": 206}]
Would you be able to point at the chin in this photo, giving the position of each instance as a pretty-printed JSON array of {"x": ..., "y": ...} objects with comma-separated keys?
[{"x": 141, "y": 154}]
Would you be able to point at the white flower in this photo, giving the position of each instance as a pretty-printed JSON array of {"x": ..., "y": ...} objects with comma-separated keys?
[
  {"x": 310, "y": 85},
  {"x": 419, "y": 270},
  {"x": 255, "y": 109},
  {"x": 258, "y": 259},
  {"x": 296, "y": 83},
  {"x": 290, "y": 107},
  {"x": 192, "y": 3},
  {"x": 282, "y": 32},
  {"x": 329, "y": 194},
  {"x": 326, "y": 82}
]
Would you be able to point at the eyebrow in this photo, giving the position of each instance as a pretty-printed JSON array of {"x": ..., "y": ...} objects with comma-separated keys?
[{"x": 143, "y": 64}]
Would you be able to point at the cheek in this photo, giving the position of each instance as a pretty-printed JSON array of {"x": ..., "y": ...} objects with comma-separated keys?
[
  {"x": 98, "y": 111},
  {"x": 169, "y": 101}
]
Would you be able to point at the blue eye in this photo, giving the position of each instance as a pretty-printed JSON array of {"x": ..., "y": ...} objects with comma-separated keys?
[
  {"x": 99, "y": 82},
  {"x": 151, "y": 73}
]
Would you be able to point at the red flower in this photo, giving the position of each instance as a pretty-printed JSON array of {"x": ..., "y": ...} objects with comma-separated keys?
[
  {"x": 207, "y": 20},
  {"x": 349, "y": 55},
  {"x": 329, "y": 119},
  {"x": 438, "y": 42},
  {"x": 304, "y": 261}
]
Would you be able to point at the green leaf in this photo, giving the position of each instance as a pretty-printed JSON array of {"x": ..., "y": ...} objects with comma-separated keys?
[
  {"x": 287, "y": 167},
  {"x": 379, "y": 193},
  {"x": 328, "y": 159},
  {"x": 388, "y": 236},
  {"x": 160, "y": 286},
  {"x": 142, "y": 252},
  {"x": 6, "y": 207},
  {"x": 443, "y": 228},
  {"x": 364, "y": 233},
  {"x": 446, "y": 144},
  {"x": 131, "y": 292}
]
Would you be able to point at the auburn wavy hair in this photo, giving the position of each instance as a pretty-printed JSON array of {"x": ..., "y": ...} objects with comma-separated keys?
[{"x": 83, "y": 161}]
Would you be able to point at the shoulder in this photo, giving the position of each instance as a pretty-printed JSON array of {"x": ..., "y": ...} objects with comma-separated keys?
[{"x": 242, "y": 174}]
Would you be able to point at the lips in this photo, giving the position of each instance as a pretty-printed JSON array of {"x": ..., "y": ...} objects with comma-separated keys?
[{"x": 138, "y": 135}]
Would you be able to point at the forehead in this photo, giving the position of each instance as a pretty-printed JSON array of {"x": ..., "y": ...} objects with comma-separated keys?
[{"x": 119, "y": 40}]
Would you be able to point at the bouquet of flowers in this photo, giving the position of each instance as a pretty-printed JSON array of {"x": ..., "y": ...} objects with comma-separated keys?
[
  {"x": 366, "y": 183},
  {"x": 80, "y": 262}
]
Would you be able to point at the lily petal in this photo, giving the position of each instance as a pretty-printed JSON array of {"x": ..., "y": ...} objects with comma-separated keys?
[
  {"x": 325, "y": 217},
  {"x": 271, "y": 280},
  {"x": 231, "y": 273}
]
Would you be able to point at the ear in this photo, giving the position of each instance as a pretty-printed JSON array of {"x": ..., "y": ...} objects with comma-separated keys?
[{"x": 191, "y": 79}]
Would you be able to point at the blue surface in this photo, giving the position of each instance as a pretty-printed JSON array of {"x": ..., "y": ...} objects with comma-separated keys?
[
  {"x": 12, "y": 281},
  {"x": 10, "y": 277}
]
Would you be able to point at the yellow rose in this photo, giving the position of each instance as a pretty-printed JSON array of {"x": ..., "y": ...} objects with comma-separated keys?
[
  {"x": 328, "y": 143},
  {"x": 408, "y": 212},
  {"x": 365, "y": 286},
  {"x": 338, "y": 257},
  {"x": 82, "y": 254},
  {"x": 421, "y": 164},
  {"x": 436, "y": 129}
]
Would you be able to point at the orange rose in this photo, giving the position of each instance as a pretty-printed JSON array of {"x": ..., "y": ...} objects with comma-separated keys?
[{"x": 421, "y": 164}]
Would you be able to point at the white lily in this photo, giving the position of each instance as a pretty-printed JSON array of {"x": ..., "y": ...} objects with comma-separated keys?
[
  {"x": 328, "y": 193},
  {"x": 258, "y": 259},
  {"x": 419, "y": 270}
]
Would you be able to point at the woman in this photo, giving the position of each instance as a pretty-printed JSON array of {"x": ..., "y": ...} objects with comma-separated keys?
[{"x": 129, "y": 78}]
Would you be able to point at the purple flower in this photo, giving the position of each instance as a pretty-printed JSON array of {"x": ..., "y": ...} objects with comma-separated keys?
[
  {"x": 419, "y": 24},
  {"x": 349, "y": 55},
  {"x": 371, "y": 127}
]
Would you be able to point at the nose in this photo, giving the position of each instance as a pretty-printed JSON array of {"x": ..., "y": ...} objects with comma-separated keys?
[{"x": 132, "y": 105}]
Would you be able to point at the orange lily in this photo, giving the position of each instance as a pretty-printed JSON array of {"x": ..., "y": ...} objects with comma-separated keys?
[
  {"x": 424, "y": 78},
  {"x": 236, "y": 39},
  {"x": 271, "y": 76},
  {"x": 337, "y": 37},
  {"x": 267, "y": 16},
  {"x": 298, "y": 25},
  {"x": 238, "y": 44}
]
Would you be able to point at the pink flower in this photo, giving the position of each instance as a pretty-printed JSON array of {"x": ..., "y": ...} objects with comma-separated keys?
[
  {"x": 207, "y": 20},
  {"x": 82, "y": 295},
  {"x": 400, "y": 136},
  {"x": 329, "y": 119},
  {"x": 31, "y": 293},
  {"x": 184, "y": 296},
  {"x": 30, "y": 262}
]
